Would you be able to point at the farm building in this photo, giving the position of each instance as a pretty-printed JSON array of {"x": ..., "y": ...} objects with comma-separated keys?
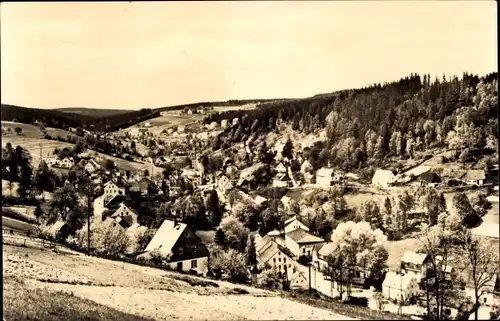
[
  {"x": 182, "y": 248},
  {"x": 400, "y": 286},
  {"x": 475, "y": 177},
  {"x": 383, "y": 178}
]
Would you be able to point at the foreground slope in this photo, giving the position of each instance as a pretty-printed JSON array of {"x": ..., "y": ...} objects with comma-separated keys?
[{"x": 144, "y": 292}]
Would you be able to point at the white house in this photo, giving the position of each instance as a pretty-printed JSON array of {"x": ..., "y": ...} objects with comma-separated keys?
[
  {"x": 299, "y": 281},
  {"x": 92, "y": 166},
  {"x": 126, "y": 215},
  {"x": 52, "y": 161},
  {"x": 327, "y": 177},
  {"x": 414, "y": 263},
  {"x": 301, "y": 243},
  {"x": 67, "y": 162},
  {"x": 285, "y": 200},
  {"x": 383, "y": 178},
  {"x": 400, "y": 286},
  {"x": 293, "y": 224},
  {"x": 235, "y": 121},
  {"x": 212, "y": 125},
  {"x": 147, "y": 124},
  {"x": 280, "y": 168},
  {"x": 111, "y": 189},
  {"x": 475, "y": 177},
  {"x": 182, "y": 249},
  {"x": 271, "y": 253},
  {"x": 99, "y": 206},
  {"x": 492, "y": 198},
  {"x": 223, "y": 123}
]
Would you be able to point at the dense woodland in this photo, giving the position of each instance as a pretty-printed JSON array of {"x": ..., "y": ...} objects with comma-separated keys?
[
  {"x": 366, "y": 126},
  {"x": 65, "y": 120}
]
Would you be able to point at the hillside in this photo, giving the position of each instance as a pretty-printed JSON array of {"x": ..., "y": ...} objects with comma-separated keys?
[
  {"x": 65, "y": 120},
  {"x": 32, "y": 274},
  {"x": 214, "y": 104},
  {"x": 369, "y": 126},
  {"x": 93, "y": 112}
]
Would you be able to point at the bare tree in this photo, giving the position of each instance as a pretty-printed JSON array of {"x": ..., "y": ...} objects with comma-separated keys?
[{"x": 482, "y": 265}]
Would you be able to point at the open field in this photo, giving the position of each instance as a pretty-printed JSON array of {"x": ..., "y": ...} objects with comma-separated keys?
[
  {"x": 144, "y": 292},
  {"x": 32, "y": 131},
  {"x": 33, "y": 146}
]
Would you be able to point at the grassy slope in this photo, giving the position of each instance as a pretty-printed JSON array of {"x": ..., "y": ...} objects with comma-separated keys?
[
  {"x": 32, "y": 131},
  {"x": 23, "y": 302},
  {"x": 155, "y": 293}
]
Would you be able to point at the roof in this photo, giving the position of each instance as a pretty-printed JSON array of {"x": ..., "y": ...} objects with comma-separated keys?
[
  {"x": 259, "y": 200},
  {"x": 262, "y": 242},
  {"x": 301, "y": 236},
  {"x": 327, "y": 249},
  {"x": 413, "y": 257},
  {"x": 398, "y": 281},
  {"x": 383, "y": 173},
  {"x": 166, "y": 236},
  {"x": 475, "y": 175},
  {"x": 121, "y": 206},
  {"x": 282, "y": 177},
  {"x": 430, "y": 177},
  {"x": 325, "y": 172},
  {"x": 274, "y": 233}
]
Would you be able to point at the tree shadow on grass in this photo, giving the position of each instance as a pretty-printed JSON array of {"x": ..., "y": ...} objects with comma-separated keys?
[{"x": 20, "y": 302}]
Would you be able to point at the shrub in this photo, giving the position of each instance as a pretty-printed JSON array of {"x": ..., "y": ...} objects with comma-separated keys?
[
  {"x": 269, "y": 278},
  {"x": 107, "y": 238}
]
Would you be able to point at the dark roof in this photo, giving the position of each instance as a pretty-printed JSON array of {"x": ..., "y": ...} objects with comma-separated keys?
[
  {"x": 120, "y": 182},
  {"x": 117, "y": 199},
  {"x": 430, "y": 177}
]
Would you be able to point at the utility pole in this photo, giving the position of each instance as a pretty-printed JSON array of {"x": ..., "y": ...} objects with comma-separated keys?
[
  {"x": 309, "y": 278},
  {"x": 89, "y": 187}
]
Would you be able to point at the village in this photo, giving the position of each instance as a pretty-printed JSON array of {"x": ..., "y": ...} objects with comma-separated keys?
[{"x": 298, "y": 255}]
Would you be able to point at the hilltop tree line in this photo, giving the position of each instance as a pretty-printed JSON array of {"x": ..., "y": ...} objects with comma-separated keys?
[
  {"x": 366, "y": 126},
  {"x": 59, "y": 119}
]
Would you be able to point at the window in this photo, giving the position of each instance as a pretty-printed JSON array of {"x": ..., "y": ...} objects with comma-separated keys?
[
  {"x": 284, "y": 259},
  {"x": 195, "y": 248},
  {"x": 289, "y": 265},
  {"x": 303, "y": 250},
  {"x": 181, "y": 250},
  {"x": 279, "y": 260},
  {"x": 274, "y": 260},
  {"x": 194, "y": 264}
]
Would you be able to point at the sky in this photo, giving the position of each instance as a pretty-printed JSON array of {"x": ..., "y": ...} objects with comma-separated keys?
[{"x": 131, "y": 55}]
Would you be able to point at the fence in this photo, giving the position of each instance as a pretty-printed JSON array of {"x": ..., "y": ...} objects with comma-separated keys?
[{"x": 19, "y": 240}]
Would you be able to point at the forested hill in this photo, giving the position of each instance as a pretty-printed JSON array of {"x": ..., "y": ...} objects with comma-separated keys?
[
  {"x": 59, "y": 119},
  {"x": 218, "y": 104},
  {"x": 366, "y": 125}
]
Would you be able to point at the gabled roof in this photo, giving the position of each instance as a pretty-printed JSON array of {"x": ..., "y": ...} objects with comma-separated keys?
[
  {"x": 327, "y": 249},
  {"x": 413, "y": 257},
  {"x": 475, "y": 175},
  {"x": 383, "y": 173},
  {"x": 166, "y": 236},
  {"x": 398, "y": 281},
  {"x": 301, "y": 236},
  {"x": 122, "y": 205}
]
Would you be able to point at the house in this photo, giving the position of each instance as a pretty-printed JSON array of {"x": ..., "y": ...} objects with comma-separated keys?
[
  {"x": 235, "y": 121},
  {"x": 280, "y": 168},
  {"x": 383, "y": 178},
  {"x": 67, "y": 162},
  {"x": 415, "y": 263},
  {"x": 492, "y": 198},
  {"x": 273, "y": 254},
  {"x": 400, "y": 286},
  {"x": 125, "y": 216},
  {"x": 161, "y": 161},
  {"x": 301, "y": 243},
  {"x": 328, "y": 176},
  {"x": 98, "y": 205},
  {"x": 429, "y": 179},
  {"x": 111, "y": 189},
  {"x": 475, "y": 177},
  {"x": 223, "y": 123},
  {"x": 92, "y": 166},
  {"x": 143, "y": 187},
  {"x": 491, "y": 295},
  {"x": 212, "y": 125},
  {"x": 293, "y": 224},
  {"x": 147, "y": 124},
  {"x": 52, "y": 161},
  {"x": 184, "y": 250},
  {"x": 299, "y": 281},
  {"x": 282, "y": 180},
  {"x": 181, "y": 128}
]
